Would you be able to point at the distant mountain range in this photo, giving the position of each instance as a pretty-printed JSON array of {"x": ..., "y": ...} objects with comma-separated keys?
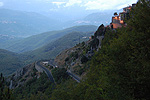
[
  {"x": 19, "y": 33},
  {"x": 43, "y": 46},
  {"x": 92, "y": 19},
  {"x": 99, "y": 18},
  {"x": 51, "y": 50},
  {"x": 23, "y": 24},
  {"x": 37, "y": 41},
  {"x": 15, "y": 25},
  {"x": 5, "y": 38}
]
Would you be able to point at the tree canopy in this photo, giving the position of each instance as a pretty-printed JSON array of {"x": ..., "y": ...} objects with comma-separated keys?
[{"x": 120, "y": 69}]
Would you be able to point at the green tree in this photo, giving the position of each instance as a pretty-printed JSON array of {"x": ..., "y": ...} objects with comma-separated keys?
[
  {"x": 140, "y": 17},
  {"x": 84, "y": 59},
  {"x": 120, "y": 70},
  {"x": 60, "y": 75},
  {"x": 5, "y": 92},
  {"x": 100, "y": 31},
  {"x": 115, "y": 13}
]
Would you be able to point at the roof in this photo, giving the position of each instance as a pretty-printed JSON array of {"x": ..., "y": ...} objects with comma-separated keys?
[
  {"x": 127, "y": 7},
  {"x": 122, "y": 13},
  {"x": 45, "y": 62}
]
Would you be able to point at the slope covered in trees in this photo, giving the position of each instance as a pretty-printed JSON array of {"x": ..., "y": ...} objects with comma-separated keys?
[
  {"x": 52, "y": 49},
  {"x": 9, "y": 62},
  {"x": 120, "y": 69},
  {"x": 37, "y": 41},
  {"x": 53, "y": 43}
]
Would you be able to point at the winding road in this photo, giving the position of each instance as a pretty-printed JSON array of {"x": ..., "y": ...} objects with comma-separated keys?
[
  {"x": 46, "y": 71},
  {"x": 50, "y": 76},
  {"x": 73, "y": 76}
]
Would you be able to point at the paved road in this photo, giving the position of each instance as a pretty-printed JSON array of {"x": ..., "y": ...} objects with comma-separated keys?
[
  {"x": 50, "y": 75},
  {"x": 47, "y": 72},
  {"x": 73, "y": 76},
  {"x": 10, "y": 86}
]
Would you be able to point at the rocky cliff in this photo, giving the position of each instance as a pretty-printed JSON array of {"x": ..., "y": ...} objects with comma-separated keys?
[{"x": 24, "y": 74}]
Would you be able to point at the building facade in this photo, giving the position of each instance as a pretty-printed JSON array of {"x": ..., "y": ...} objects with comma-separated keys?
[{"x": 118, "y": 21}]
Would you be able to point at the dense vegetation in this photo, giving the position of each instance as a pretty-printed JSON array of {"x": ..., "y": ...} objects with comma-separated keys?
[
  {"x": 60, "y": 75},
  {"x": 120, "y": 69},
  {"x": 35, "y": 87},
  {"x": 9, "y": 62},
  {"x": 5, "y": 92},
  {"x": 42, "y": 89},
  {"x": 52, "y": 49}
]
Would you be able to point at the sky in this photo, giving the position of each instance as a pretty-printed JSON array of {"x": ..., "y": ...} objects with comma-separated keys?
[
  {"x": 95, "y": 4},
  {"x": 65, "y": 4},
  {"x": 70, "y": 9}
]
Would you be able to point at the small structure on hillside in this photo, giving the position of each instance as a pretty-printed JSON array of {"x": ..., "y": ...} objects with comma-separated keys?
[
  {"x": 45, "y": 63},
  {"x": 119, "y": 20}
]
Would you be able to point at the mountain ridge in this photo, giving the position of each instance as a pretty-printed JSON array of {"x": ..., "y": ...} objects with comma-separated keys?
[
  {"x": 23, "y": 24},
  {"x": 37, "y": 41},
  {"x": 52, "y": 49},
  {"x": 9, "y": 62}
]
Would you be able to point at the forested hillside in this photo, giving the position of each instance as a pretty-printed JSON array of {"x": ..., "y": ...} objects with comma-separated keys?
[
  {"x": 52, "y": 49},
  {"x": 119, "y": 69},
  {"x": 47, "y": 46},
  {"x": 36, "y": 41},
  {"x": 9, "y": 62}
]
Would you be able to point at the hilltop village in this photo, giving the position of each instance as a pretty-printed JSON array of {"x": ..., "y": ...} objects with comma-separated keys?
[{"x": 119, "y": 20}]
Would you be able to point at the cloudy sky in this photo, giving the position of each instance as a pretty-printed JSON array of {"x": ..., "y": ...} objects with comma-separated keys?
[
  {"x": 65, "y": 4},
  {"x": 95, "y": 4},
  {"x": 65, "y": 8}
]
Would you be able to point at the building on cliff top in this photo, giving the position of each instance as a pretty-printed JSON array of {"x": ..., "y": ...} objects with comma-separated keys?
[{"x": 118, "y": 21}]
